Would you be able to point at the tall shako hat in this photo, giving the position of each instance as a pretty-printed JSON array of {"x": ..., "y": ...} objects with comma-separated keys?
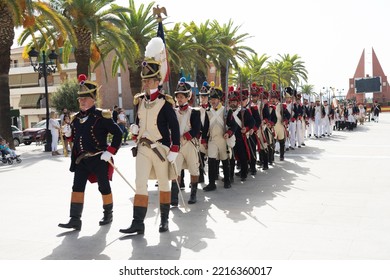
[
  {"x": 183, "y": 88},
  {"x": 154, "y": 65},
  {"x": 256, "y": 90},
  {"x": 215, "y": 92},
  {"x": 274, "y": 93},
  {"x": 87, "y": 88},
  {"x": 204, "y": 90},
  {"x": 232, "y": 94}
]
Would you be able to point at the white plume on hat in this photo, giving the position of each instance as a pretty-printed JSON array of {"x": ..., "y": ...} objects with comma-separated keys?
[{"x": 155, "y": 49}]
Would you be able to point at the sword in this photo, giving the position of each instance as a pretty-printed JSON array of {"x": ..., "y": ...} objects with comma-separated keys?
[
  {"x": 116, "y": 169},
  {"x": 180, "y": 192}
]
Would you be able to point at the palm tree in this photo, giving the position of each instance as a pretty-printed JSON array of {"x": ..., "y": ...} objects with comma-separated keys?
[
  {"x": 259, "y": 69},
  {"x": 95, "y": 24},
  {"x": 206, "y": 38},
  {"x": 294, "y": 69},
  {"x": 308, "y": 90},
  {"x": 14, "y": 14},
  {"x": 183, "y": 52},
  {"x": 140, "y": 24},
  {"x": 230, "y": 47}
]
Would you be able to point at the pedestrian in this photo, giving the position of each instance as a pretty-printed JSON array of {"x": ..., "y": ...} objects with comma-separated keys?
[
  {"x": 122, "y": 122},
  {"x": 67, "y": 133},
  {"x": 376, "y": 109},
  {"x": 54, "y": 127},
  {"x": 91, "y": 153},
  {"x": 157, "y": 134}
]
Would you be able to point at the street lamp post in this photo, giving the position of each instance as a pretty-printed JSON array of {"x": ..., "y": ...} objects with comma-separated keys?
[{"x": 44, "y": 69}]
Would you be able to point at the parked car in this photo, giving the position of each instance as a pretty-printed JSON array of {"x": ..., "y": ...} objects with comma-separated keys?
[
  {"x": 17, "y": 135},
  {"x": 37, "y": 133}
]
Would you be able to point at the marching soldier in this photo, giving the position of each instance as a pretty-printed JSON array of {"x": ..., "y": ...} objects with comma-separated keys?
[
  {"x": 292, "y": 124},
  {"x": 188, "y": 158},
  {"x": 279, "y": 115},
  {"x": 158, "y": 140},
  {"x": 245, "y": 122},
  {"x": 204, "y": 105},
  {"x": 91, "y": 153},
  {"x": 301, "y": 124},
  {"x": 218, "y": 137},
  {"x": 318, "y": 113},
  {"x": 376, "y": 109}
]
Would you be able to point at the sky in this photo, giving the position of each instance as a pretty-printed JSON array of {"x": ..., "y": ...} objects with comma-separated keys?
[{"x": 328, "y": 35}]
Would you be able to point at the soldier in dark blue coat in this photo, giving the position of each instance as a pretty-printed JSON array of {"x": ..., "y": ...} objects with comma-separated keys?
[{"x": 91, "y": 153}]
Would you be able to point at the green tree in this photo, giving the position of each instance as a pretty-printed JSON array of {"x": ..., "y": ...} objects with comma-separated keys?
[
  {"x": 14, "y": 14},
  {"x": 66, "y": 96},
  {"x": 230, "y": 47}
]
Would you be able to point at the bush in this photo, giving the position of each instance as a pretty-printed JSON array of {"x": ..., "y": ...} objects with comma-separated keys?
[{"x": 66, "y": 96}]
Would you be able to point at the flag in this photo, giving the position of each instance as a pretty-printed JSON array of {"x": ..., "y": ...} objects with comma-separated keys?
[{"x": 165, "y": 64}]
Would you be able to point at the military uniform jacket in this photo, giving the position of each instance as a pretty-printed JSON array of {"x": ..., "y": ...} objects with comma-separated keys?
[
  {"x": 215, "y": 118},
  {"x": 189, "y": 122},
  {"x": 157, "y": 120},
  {"x": 90, "y": 130},
  {"x": 243, "y": 120}
]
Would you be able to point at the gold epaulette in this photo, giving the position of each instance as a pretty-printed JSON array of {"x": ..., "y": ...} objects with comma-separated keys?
[
  {"x": 73, "y": 116},
  {"x": 107, "y": 114},
  {"x": 169, "y": 98},
  {"x": 137, "y": 97}
]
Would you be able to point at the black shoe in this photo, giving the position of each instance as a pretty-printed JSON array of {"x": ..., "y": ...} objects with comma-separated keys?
[
  {"x": 292, "y": 148},
  {"x": 299, "y": 146},
  {"x": 265, "y": 168},
  {"x": 243, "y": 179},
  {"x": 281, "y": 158},
  {"x": 253, "y": 172},
  {"x": 287, "y": 149},
  {"x": 209, "y": 188},
  {"x": 238, "y": 174},
  {"x": 303, "y": 144},
  {"x": 277, "y": 152}
]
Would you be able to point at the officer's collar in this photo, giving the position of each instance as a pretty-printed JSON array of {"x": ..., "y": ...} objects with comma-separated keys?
[
  {"x": 205, "y": 105},
  {"x": 87, "y": 112},
  {"x": 183, "y": 107}
]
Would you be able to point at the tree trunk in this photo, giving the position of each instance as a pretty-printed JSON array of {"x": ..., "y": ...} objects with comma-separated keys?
[
  {"x": 7, "y": 35},
  {"x": 83, "y": 51},
  {"x": 223, "y": 77}
]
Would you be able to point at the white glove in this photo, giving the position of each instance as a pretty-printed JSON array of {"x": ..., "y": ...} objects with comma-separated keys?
[
  {"x": 231, "y": 141},
  {"x": 106, "y": 156},
  {"x": 171, "y": 157},
  {"x": 134, "y": 129}
]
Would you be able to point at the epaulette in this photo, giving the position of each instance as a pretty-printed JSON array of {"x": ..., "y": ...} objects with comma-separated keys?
[
  {"x": 72, "y": 117},
  {"x": 137, "y": 97},
  {"x": 168, "y": 98},
  {"x": 107, "y": 114}
]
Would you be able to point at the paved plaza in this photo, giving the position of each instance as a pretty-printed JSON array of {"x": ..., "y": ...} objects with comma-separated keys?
[{"x": 329, "y": 200}]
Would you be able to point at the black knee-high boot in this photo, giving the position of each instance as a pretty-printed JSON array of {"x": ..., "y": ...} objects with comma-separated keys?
[
  {"x": 194, "y": 189},
  {"x": 76, "y": 209},
  {"x": 282, "y": 145},
  {"x": 212, "y": 175},
  {"x": 226, "y": 174},
  {"x": 264, "y": 159},
  {"x": 139, "y": 212},
  {"x": 107, "y": 207},
  {"x": 174, "y": 194}
]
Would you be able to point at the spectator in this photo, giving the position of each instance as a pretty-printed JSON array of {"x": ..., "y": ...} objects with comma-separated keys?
[
  {"x": 67, "y": 133},
  {"x": 54, "y": 127},
  {"x": 115, "y": 114},
  {"x": 122, "y": 122}
]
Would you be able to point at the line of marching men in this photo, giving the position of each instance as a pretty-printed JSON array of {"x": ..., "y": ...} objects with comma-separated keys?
[{"x": 240, "y": 129}]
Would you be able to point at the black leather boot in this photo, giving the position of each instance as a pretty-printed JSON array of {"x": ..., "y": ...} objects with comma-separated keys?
[
  {"x": 282, "y": 146},
  {"x": 212, "y": 175},
  {"x": 264, "y": 159},
  {"x": 194, "y": 188},
  {"x": 226, "y": 174},
  {"x": 164, "y": 209},
  {"x": 75, "y": 216},
  {"x": 107, "y": 218},
  {"x": 174, "y": 194},
  {"x": 137, "y": 225}
]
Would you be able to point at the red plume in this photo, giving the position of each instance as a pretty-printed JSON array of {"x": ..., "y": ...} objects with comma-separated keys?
[
  {"x": 231, "y": 88},
  {"x": 273, "y": 86},
  {"x": 254, "y": 85},
  {"x": 261, "y": 89},
  {"x": 82, "y": 78}
]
